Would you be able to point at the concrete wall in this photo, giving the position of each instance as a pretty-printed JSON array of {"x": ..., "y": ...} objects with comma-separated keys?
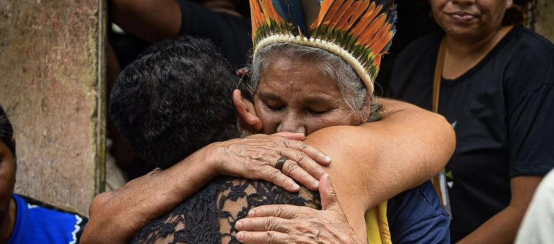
[
  {"x": 51, "y": 84},
  {"x": 545, "y": 18}
]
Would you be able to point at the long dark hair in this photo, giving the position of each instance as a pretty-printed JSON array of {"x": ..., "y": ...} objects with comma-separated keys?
[{"x": 519, "y": 12}]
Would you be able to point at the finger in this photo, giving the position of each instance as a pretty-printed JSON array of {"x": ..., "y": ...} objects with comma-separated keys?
[
  {"x": 270, "y": 237},
  {"x": 329, "y": 199},
  {"x": 263, "y": 224},
  {"x": 312, "y": 152},
  {"x": 279, "y": 210},
  {"x": 276, "y": 177},
  {"x": 291, "y": 135},
  {"x": 301, "y": 171}
]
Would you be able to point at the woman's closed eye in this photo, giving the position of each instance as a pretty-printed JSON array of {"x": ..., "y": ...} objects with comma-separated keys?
[
  {"x": 317, "y": 112},
  {"x": 275, "y": 107}
]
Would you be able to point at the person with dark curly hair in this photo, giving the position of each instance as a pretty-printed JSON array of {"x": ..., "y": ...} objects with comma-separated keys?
[
  {"x": 493, "y": 81},
  {"x": 176, "y": 99}
]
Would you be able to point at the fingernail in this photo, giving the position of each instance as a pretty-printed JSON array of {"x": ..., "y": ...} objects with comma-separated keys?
[
  {"x": 240, "y": 236},
  {"x": 328, "y": 179},
  {"x": 252, "y": 213},
  {"x": 328, "y": 159},
  {"x": 295, "y": 186},
  {"x": 316, "y": 184},
  {"x": 238, "y": 225}
]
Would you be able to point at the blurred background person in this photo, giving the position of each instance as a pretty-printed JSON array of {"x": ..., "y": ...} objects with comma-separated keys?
[
  {"x": 538, "y": 224},
  {"x": 494, "y": 83},
  {"x": 23, "y": 219}
]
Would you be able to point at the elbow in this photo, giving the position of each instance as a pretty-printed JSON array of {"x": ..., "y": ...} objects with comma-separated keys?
[
  {"x": 446, "y": 141},
  {"x": 449, "y": 136}
]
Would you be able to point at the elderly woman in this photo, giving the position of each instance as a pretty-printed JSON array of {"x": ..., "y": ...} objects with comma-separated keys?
[
  {"x": 298, "y": 95},
  {"x": 493, "y": 80}
]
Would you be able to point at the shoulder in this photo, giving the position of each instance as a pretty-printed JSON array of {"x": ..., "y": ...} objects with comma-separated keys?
[
  {"x": 529, "y": 37},
  {"x": 328, "y": 138},
  {"x": 528, "y": 62},
  {"x": 41, "y": 218},
  {"x": 526, "y": 46}
]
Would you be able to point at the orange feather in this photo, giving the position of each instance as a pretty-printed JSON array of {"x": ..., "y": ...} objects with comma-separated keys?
[
  {"x": 325, "y": 6},
  {"x": 366, "y": 20},
  {"x": 340, "y": 14},
  {"x": 364, "y": 5},
  {"x": 343, "y": 24},
  {"x": 370, "y": 31},
  {"x": 334, "y": 8}
]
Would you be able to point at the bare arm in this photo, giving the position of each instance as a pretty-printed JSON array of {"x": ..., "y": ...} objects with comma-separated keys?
[
  {"x": 400, "y": 152},
  {"x": 371, "y": 163},
  {"x": 419, "y": 144},
  {"x": 152, "y": 20},
  {"x": 115, "y": 217},
  {"x": 502, "y": 228}
]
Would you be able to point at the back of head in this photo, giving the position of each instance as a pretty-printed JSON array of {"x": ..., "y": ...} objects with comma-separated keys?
[
  {"x": 175, "y": 99},
  {"x": 6, "y": 131}
]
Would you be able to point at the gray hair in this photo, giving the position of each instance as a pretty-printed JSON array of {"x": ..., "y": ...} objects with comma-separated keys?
[{"x": 354, "y": 93}]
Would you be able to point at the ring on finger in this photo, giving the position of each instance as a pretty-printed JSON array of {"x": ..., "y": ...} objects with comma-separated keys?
[{"x": 280, "y": 163}]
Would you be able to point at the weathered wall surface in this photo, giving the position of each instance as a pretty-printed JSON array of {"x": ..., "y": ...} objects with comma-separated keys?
[
  {"x": 50, "y": 86},
  {"x": 545, "y": 18}
]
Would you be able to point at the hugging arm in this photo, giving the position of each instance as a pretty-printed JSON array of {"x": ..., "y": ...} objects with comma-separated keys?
[
  {"x": 407, "y": 147},
  {"x": 374, "y": 162},
  {"x": 116, "y": 216}
]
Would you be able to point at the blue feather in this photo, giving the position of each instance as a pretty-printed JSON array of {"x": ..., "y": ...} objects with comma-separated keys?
[{"x": 291, "y": 11}]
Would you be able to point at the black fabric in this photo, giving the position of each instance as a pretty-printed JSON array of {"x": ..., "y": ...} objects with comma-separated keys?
[
  {"x": 209, "y": 216},
  {"x": 502, "y": 112},
  {"x": 203, "y": 219},
  {"x": 231, "y": 34}
]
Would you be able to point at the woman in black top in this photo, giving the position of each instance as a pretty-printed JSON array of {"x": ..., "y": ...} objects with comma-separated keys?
[{"x": 496, "y": 87}]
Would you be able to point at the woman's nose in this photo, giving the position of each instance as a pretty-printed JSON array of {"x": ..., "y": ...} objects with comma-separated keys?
[{"x": 290, "y": 122}]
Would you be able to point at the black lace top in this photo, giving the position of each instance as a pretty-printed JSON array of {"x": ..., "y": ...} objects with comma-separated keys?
[{"x": 210, "y": 215}]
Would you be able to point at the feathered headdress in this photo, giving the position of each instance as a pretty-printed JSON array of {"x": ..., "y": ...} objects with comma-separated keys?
[{"x": 359, "y": 31}]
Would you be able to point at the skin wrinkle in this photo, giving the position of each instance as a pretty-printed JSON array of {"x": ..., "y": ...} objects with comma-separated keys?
[{"x": 352, "y": 89}]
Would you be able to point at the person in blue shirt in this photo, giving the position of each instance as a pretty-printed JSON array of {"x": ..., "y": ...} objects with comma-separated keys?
[{"x": 23, "y": 219}]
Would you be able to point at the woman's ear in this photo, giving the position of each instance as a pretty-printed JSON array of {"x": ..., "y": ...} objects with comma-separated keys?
[{"x": 245, "y": 111}]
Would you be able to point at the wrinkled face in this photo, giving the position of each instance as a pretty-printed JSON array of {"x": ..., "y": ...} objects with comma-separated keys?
[
  {"x": 7, "y": 178},
  {"x": 469, "y": 19},
  {"x": 294, "y": 95}
]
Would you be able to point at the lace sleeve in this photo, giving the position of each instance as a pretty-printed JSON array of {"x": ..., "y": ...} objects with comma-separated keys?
[{"x": 210, "y": 215}]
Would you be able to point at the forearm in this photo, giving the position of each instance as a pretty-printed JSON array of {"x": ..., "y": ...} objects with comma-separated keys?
[
  {"x": 381, "y": 159},
  {"x": 115, "y": 217},
  {"x": 151, "y": 20},
  {"x": 502, "y": 228},
  {"x": 416, "y": 143}
]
